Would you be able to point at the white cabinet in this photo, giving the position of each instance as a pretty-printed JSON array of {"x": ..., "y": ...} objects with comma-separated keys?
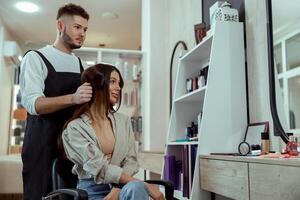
[{"x": 221, "y": 102}]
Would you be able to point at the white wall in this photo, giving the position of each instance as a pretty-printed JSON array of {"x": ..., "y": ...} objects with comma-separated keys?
[
  {"x": 155, "y": 82},
  {"x": 182, "y": 18},
  {"x": 163, "y": 24},
  {"x": 6, "y": 83}
]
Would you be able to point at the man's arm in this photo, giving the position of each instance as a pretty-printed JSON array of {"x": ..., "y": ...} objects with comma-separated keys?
[{"x": 46, "y": 105}]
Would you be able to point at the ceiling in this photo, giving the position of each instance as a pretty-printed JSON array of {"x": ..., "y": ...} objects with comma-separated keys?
[{"x": 37, "y": 29}]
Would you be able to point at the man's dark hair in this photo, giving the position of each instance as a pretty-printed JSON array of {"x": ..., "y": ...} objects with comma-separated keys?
[{"x": 71, "y": 10}]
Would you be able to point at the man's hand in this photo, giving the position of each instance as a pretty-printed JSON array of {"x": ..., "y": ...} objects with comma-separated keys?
[
  {"x": 83, "y": 94},
  {"x": 113, "y": 195},
  {"x": 154, "y": 192}
]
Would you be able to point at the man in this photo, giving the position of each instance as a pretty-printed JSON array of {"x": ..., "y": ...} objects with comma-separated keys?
[{"x": 50, "y": 87}]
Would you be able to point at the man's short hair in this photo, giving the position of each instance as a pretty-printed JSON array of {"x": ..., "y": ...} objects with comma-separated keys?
[{"x": 71, "y": 10}]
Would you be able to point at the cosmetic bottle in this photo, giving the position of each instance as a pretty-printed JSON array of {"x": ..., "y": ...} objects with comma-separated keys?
[
  {"x": 195, "y": 83},
  {"x": 298, "y": 148},
  {"x": 126, "y": 71},
  {"x": 201, "y": 79},
  {"x": 140, "y": 124},
  {"x": 265, "y": 143},
  {"x": 134, "y": 72},
  {"x": 292, "y": 145},
  {"x": 189, "y": 85}
]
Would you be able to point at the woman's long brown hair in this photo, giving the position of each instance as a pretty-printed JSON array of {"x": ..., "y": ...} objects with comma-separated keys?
[{"x": 99, "y": 78}]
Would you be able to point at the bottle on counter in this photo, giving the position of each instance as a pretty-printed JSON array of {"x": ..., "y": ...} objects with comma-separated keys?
[
  {"x": 265, "y": 143},
  {"x": 292, "y": 145}
]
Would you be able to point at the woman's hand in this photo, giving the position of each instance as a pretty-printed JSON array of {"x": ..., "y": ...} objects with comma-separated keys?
[
  {"x": 154, "y": 192},
  {"x": 113, "y": 195}
]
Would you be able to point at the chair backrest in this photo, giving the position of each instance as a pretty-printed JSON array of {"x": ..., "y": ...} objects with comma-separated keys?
[{"x": 62, "y": 176}]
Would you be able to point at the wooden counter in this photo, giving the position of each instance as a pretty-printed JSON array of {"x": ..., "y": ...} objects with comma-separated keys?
[{"x": 240, "y": 177}]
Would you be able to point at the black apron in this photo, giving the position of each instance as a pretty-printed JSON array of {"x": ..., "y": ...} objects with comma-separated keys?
[{"x": 41, "y": 134}]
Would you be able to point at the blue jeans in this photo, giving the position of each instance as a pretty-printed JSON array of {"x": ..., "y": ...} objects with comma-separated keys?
[{"x": 135, "y": 190}]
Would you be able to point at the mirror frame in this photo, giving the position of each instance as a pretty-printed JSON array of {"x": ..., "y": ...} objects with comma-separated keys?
[
  {"x": 278, "y": 129},
  {"x": 264, "y": 124}
]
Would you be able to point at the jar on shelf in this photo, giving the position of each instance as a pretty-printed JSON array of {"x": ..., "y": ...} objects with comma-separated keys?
[{"x": 226, "y": 13}]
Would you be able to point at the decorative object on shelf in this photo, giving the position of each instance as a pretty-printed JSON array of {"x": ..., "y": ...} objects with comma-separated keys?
[
  {"x": 200, "y": 32},
  {"x": 212, "y": 12},
  {"x": 192, "y": 130},
  {"x": 17, "y": 131},
  {"x": 20, "y": 114},
  {"x": 223, "y": 13}
]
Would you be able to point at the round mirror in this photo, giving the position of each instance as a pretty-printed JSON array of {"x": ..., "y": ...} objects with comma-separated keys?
[{"x": 244, "y": 148}]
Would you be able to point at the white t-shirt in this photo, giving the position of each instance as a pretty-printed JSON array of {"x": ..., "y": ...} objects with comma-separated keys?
[{"x": 34, "y": 73}]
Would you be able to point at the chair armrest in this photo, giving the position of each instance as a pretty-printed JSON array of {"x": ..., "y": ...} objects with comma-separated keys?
[
  {"x": 78, "y": 194},
  {"x": 169, "y": 188}
]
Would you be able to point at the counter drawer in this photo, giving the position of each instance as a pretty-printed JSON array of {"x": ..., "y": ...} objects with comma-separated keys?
[{"x": 228, "y": 178}]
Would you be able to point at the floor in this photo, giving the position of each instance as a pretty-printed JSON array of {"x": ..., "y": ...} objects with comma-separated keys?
[{"x": 11, "y": 196}]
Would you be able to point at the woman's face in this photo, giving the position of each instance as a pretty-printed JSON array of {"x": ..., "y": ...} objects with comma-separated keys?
[{"x": 114, "y": 87}]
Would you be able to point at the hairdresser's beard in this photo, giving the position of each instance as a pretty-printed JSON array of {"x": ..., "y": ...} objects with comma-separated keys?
[{"x": 67, "y": 40}]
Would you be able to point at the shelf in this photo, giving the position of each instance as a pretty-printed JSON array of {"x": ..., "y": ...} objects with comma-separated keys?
[
  {"x": 183, "y": 143},
  {"x": 178, "y": 195},
  {"x": 221, "y": 101},
  {"x": 130, "y": 81},
  {"x": 195, "y": 95},
  {"x": 199, "y": 52}
]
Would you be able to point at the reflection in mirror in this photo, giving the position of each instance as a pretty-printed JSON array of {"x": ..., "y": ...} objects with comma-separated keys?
[
  {"x": 253, "y": 132},
  {"x": 286, "y": 36}
]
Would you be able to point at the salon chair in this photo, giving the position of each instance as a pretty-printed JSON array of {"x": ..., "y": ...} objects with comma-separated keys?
[{"x": 64, "y": 183}]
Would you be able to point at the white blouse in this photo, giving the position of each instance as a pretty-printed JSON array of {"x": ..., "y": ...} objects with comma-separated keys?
[{"x": 82, "y": 148}]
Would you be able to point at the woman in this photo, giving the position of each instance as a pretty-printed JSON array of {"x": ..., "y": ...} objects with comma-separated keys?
[{"x": 100, "y": 142}]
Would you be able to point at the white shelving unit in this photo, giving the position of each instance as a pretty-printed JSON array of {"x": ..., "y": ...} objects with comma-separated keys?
[
  {"x": 15, "y": 142},
  {"x": 222, "y": 101}
]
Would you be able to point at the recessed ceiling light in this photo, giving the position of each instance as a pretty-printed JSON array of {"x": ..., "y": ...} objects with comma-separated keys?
[
  {"x": 109, "y": 15},
  {"x": 27, "y": 7}
]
